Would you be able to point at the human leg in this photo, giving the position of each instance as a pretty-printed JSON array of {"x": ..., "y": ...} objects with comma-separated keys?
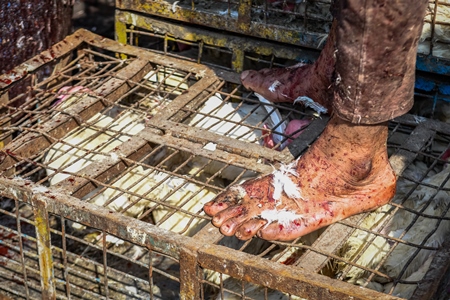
[{"x": 346, "y": 171}]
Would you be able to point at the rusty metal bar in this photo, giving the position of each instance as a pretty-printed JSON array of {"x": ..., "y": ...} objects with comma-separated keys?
[
  {"x": 238, "y": 147},
  {"x": 4, "y": 98},
  {"x": 189, "y": 274},
  {"x": 217, "y": 155},
  {"x": 138, "y": 232},
  {"x": 287, "y": 279},
  {"x": 416, "y": 141},
  {"x": 195, "y": 91},
  {"x": 22, "y": 254},
  {"x": 267, "y": 31},
  {"x": 65, "y": 263},
  {"x": 413, "y": 120},
  {"x": 110, "y": 45},
  {"x": 237, "y": 62},
  {"x": 56, "y": 51},
  {"x": 219, "y": 39},
  {"x": 244, "y": 15},
  {"x": 43, "y": 239}
]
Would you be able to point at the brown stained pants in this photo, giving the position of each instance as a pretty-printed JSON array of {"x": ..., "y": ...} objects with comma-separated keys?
[{"x": 376, "y": 46}]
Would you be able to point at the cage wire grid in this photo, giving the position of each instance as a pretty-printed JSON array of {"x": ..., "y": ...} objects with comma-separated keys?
[
  {"x": 301, "y": 23},
  {"x": 73, "y": 239},
  {"x": 168, "y": 26}
]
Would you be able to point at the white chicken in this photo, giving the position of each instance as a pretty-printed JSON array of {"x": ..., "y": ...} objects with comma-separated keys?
[
  {"x": 429, "y": 199},
  {"x": 73, "y": 153},
  {"x": 174, "y": 201},
  {"x": 245, "y": 122}
]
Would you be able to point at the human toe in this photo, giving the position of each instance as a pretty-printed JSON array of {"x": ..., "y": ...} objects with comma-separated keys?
[
  {"x": 228, "y": 198},
  {"x": 284, "y": 232},
  {"x": 249, "y": 228}
]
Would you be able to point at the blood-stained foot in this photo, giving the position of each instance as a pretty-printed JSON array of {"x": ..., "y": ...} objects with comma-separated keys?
[
  {"x": 345, "y": 172},
  {"x": 297, "y": 82}
]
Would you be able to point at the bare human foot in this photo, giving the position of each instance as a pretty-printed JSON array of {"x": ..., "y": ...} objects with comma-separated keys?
[
  {"x": 287, "y": 84},
  {"x": 345, "y": 172}
]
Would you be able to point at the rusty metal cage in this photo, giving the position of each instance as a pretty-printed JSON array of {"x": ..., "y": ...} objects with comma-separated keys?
[
  {"x": 301, "y": 23},
  {"x": 305, "y": 24},
  {"x": 245, "y": 35},
  {"x": 106, "y": 165},
  {"x": 219, "y": 50}
]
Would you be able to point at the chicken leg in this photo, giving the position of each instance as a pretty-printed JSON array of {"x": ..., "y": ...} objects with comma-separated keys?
[{"x": 346, "y": 171}]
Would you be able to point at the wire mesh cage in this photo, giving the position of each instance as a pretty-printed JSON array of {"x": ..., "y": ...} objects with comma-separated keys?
[
  {"x": 218, "y": 50},
  {"x": 225, "y": 52},
  {"x": 109, "y": 158},
  {"x": 302, "y": 23}
]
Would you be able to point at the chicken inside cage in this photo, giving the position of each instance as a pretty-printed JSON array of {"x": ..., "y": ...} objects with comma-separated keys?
[
  {"x": 117, "y": 154},
  {"x": 392, "y": 249},
  {"x": 159, "y": 146}
]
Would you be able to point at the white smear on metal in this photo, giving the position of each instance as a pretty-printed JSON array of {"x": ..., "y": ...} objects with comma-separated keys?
[
  {"x": 274, "y": 86},
  {"x": 174, "y": 6},
  {"x": 210, "y": 146},
  {"x": 283, "y": 183},
  {"x": 138, "y": 252},
  {"x": 200, "y": 74},
  {"x": 39, "y": 189},
  {"x": 18, "y": 178},
  {"x": 283, "y": 217},
  {"x": 134, "y": 19},
  {"x": 276, "y": 119},
  {"x": 114, "y": 157},
  {"x": 308, "y": 102},
  {"x": 136, "y": 234}
]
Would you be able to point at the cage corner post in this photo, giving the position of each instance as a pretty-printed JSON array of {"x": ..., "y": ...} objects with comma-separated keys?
[
  {"x": 238, "y": 60},
  {"x": 120, "y": 31},
  {"x": 43, "y": 240},
  {"x": 190, "y": 271},
  {"x": 4, "y": 98},
  {"x": 244, "y": 15}
]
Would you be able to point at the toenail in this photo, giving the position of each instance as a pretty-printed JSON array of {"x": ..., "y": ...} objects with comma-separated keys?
[{"x": 244, "y": 74}]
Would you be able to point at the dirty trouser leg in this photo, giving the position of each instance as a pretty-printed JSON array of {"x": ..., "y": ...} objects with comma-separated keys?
[{"x": 376, "y": 48}]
